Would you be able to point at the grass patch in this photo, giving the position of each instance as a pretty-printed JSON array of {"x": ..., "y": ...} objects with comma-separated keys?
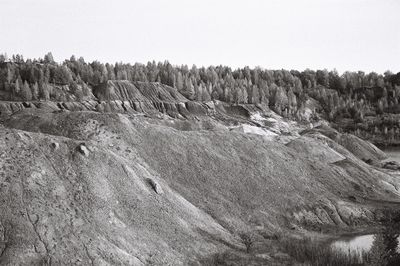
[{"x": 313, "y": 253}]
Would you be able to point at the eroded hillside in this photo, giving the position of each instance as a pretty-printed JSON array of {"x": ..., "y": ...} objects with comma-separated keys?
[{"x": 149, "y": 177}]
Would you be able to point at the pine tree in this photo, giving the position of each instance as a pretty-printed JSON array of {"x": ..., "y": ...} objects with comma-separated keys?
[
  {"x": 237, "y": 95},
  {"x": 244, "y": 96},
  {"x": 199, "y": 92},
  {"x": 17, "y": 87},
  {"x": 35, "y": 91},
  {"x": 62, "y": 75},
  {"x": 179, "y": 81},
  {"x": 189, "y": 89},
  {"x": 254, "y": 96},
  {"x": 9, "y": 75},
  {"x": 48, "y": 58},
  {"x": 25, "y": 92},
  {"x": 217, "y": 92},
  {"x": 46, "y": 75},
  {"x": 280, "y": 100},
  {"x": 3, "y": 58},
  {"x": 292, "y": 101},
  {"x": 228, "y": 95},
  {"x": 44, "y": 92},
  {"x": 206, "y": 97}
]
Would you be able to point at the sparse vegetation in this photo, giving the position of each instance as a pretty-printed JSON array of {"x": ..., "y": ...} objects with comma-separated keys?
[
  {"x": 230, "y": 258},
  {"x": 314, "y": 253},
  {"x": 247, "y": 240},
  {"x": 383, "y": 251},
  {"x": 309, "y": 252}
]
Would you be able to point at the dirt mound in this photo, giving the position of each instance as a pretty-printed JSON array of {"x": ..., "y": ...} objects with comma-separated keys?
[
  {"x": 157, "y": 92},
  {"x": 323, "y": 149},
  {"x": 146, "y": 97},
  {"x": 120, "y": 97},
  {"x": 362, "y": 149},
  {"x": 318, "y": 150},
  {"x": 65, "y": 207},
  {"x": 118, "y": 90}
]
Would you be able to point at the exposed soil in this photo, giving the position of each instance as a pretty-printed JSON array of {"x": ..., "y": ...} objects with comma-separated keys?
[{"x": 133, "y": 188}]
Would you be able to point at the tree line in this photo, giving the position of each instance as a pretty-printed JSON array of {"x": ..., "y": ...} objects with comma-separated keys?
[{"x": 352, "y": 94}]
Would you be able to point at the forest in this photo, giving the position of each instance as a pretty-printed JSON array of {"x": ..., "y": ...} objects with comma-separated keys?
[{"x": 350, "y": 95}]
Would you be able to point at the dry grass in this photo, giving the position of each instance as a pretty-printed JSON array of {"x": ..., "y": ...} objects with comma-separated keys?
[{"x": 314, "y": 253}]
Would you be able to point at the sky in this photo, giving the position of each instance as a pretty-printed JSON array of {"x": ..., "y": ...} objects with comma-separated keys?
[{"x": 273, "y": 34}]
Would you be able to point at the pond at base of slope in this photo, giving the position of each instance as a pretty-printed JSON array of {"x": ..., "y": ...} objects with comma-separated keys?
[
  {"x": 363, "y": 243},
  {"x": 393, "y": 153},
  {"x": 357, "y": 244},
  {"x": 360, "y": 243}
]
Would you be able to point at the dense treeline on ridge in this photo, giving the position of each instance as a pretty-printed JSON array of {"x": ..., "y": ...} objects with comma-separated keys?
[{"x": 352, "y": 94}]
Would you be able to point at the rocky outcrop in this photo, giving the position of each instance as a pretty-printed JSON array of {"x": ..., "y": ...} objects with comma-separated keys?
[
  {"x": 83, "y": 150},
  {"x": 155, "y": 185},
  {"x": 55, "y": 145}
]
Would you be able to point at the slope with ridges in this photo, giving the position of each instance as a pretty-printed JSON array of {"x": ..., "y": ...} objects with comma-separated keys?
[{"x": 61, "y": 205}]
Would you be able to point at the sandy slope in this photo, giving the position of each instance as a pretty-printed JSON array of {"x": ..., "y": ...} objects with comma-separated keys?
[{"x": 61, "y": 206}]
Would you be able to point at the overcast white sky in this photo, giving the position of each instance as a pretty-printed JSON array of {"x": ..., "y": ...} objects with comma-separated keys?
[{"x": 273, "y": 34}]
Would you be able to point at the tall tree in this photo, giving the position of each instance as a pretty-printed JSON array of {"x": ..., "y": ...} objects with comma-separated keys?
[
  {"x": 48, "y": 58},
  {"x": 35, "y": 91},
  {"x": 25, "y": 92}
]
